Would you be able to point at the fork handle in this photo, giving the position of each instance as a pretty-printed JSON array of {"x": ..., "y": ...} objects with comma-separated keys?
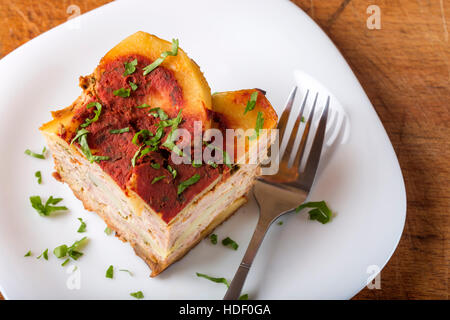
[{"x": 236, "y": 285}]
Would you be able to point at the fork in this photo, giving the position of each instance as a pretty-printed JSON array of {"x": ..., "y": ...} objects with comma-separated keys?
[{"x": 279, "y": 194}]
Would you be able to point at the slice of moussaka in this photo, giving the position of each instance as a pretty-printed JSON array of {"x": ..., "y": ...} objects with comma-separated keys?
[{"x": 141, "y": 147}]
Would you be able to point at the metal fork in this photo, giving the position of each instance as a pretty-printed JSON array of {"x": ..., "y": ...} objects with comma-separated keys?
[{"x": 282, "y": 193}]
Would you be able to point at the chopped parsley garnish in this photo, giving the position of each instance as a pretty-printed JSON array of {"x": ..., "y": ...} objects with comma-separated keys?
[
  {"x": 28, "y": 254},
  {"x": 133, "y": 160},
  {"x": 157, "y": 179},
  {"x": 125, "y": 270},
  {"x": 163, "y": 56},
  {"x": 133, "y": 85},
  {"x": 217, "y": 280},
  {"x": 212, "y": 164},
  {"x": 61, "y": 251},
  {"x": 189, "y": 182},
  {"x": 73, "y": 251},
  {"x": 130, "y": 67},
  {"x": 220, "y": 280},
  {"x": 169, "y": 143},
  {"x": 143, "y": 106},
  {"x": 108, "y": 231},
  {"x": 97, "y": 112},
  {"x": 280, "y": 223},
  {"x": 303, "y": 119},
  {"x": 319, "y": 212},
  {"x": 110, "y": 272},
  {"x": 82, "y": 140},
  {"x": 156, "y": 139},
  {"x": 197, "y": 164},
  {"x": 44, "y": 254},
  {"x": 155, "y": 165},
  {"x": 226, "y": 158},
  {"x": 65, "y": 262},
  {"x": 137, "y": 295},
  {"x": 49, "y": 207},
  {"x": 228, "y": 242},
  {"x": 147, "y": 150},
  {"x": 158, "y": 112},
  {"x": 123, "y": 130},
  {"x": 259, "y": 125},
  {"x": 38, "y": 175},
  {"x": 144, "y": 132},
  {"x": 82, "y": 227},
  {"x": 122, "y": 92},
  {"x": 172, "y": 171},
  {"x": 252, "y": 102},
  {"x": 36, "y": 155},
  {"x": 213, "y": 238}
]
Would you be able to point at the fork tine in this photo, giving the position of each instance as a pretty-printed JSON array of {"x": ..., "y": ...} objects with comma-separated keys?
[
  {"x": 285, "y": 115},
  {"x": 301, "y": 148},
  {"x": 316, "y": 149},
  {"x": 290, "y": 147}
]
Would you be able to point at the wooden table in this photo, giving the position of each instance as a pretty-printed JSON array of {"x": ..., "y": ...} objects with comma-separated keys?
[{"x": 405, "y": 69}]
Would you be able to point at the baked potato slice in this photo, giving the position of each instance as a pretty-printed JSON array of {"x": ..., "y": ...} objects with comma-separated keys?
[
  {"x": 195, "y": 90},
  {"x": 231, "y": 105}
]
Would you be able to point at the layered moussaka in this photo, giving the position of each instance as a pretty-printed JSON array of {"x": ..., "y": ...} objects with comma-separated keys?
[{"x": 120, "y": 149}]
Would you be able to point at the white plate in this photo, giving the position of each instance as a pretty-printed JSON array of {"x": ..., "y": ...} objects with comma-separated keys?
[{"x": 263, "y": 44}]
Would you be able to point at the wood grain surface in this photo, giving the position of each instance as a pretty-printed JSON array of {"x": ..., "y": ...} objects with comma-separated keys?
[{"x": 405, "y": 69}]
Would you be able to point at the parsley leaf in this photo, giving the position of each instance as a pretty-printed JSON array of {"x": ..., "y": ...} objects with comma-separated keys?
[
  {"x": 96, "y": 112},
  {"x": 82, "y": 227},
  {"x": 123, "y": 130},
  {"x": 133, "y": 85},
  {"x": 144, "y": 132},
  {"x": 73, "y": 251},
  {"x": 133, "y": 160},
  {"x": 280, "y": 223},
  {"x": 213, "y": 238},
  {"x": 44, "y": 254},
  {"x": 172, "y": 171},
  {"x": 244, "y": 297},
  {"x": 217, "y": 280},
  {"x": 157, "y": 179},
  {"x": 252, "y": 102},
  {"x": 163, "y": 56},
  {"x": 130, "y": 67},
  {"x": 110, "y": 272},
  {"x": 142, "y": 106},
  {"x": 28, "y": 254},
  {"x": 155, "y": 165},
  {"x": 259, "y": 125},
  {"x": 137, "y": 295},
  {"x": 108, "y": 231},
  {"x": 82, "y": 140},
  {"x": 228, "y": 242},
  {"x": 319, "y": 212},
  {"x": 159, "y": 113},
  {"x": 122, "y": 92},
  {"x": 125, "y": 270},
  {"x": 36, "y": 155},
  {"x": 196, "y": 164},
  {"x": 65, "y": 262},
  {"x": 225, "y": 156},
  {"x": 189, "y": 182},
  {"x": 38, "y": 175},
  {"x": 169, "y": 143},
  {"x": 48, "y": 208}
]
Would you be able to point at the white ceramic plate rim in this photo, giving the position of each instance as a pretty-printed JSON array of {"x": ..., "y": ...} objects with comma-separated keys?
[{"x": 331, "y": 63}]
